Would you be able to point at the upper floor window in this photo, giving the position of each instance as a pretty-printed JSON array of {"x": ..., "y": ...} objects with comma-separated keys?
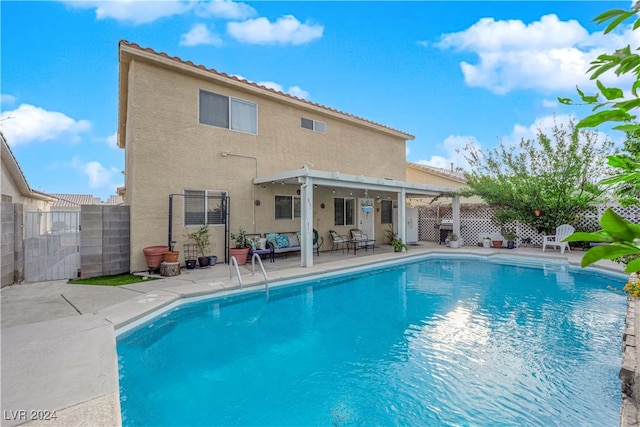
[
  {"x": 287, "y": 207},
  {"x": 203, "y": 207},
  {"x": 344, "y": 210},
  {"x": 314, "y": 125},
  {"x": 228, "y": 112}
]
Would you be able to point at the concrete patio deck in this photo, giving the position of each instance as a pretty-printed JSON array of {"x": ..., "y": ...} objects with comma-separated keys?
[{"x": 58, "y": 340}]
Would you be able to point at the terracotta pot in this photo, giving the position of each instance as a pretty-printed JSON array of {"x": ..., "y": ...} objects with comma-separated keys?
[
  {"x": 154, "y": 255},
  {"x": 171, "y": 256},
  {"x": 537, "y": 212},
  {"x": 496, "y": 243},
  {"x": 240, "y": 254}
]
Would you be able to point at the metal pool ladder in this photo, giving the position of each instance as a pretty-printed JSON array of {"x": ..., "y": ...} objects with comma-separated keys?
[
  {"x": 264, "y": 273},
  {"x": 234, "y": 262}
]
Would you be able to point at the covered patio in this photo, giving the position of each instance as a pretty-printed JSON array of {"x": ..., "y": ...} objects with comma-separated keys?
[{"x": 309, "y": 179}]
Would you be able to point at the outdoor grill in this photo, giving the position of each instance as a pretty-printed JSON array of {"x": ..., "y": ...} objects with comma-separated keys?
[{"x": 445, "y": 227}]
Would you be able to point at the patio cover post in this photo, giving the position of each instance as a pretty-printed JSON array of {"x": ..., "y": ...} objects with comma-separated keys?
[
  {"x": 455, "y": 215},
  {"x": 306, "y": 222},
  {"x": 402, "y": 215}
]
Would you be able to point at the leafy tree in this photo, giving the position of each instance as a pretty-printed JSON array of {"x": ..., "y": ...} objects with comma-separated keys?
[
  {"x": 618, "y": 107},
  {"x": 556, "y": 174}
]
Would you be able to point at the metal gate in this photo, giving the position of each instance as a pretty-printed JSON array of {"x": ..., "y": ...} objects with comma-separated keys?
[{"x": 51, "y": 246}]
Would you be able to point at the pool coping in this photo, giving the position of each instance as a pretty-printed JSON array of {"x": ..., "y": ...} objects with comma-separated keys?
[{"x": 55, "y": 386}]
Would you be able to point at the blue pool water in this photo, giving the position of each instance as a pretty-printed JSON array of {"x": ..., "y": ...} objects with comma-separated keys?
[{"x": 435, "y": 342}]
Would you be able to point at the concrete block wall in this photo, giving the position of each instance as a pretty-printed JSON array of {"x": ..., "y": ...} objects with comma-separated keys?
[
  {"x": 104, "y": 240},
  {"x": 11, "y": 264}
]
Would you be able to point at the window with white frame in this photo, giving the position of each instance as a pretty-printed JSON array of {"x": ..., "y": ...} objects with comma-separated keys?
[
  {"x": 203, "y": 207},
  {"x": 386, "y": 212},
  {"x": 287, "y": 207},
  {"x": 228, "y": 112},
  {"x": 314, "y": 125},
  {"x": 344, "y": 210}
]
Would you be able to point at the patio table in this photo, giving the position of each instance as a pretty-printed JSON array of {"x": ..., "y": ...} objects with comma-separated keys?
[{"x": 360, "y": 243}]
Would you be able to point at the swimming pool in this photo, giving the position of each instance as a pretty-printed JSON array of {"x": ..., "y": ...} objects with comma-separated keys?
[{"x": 440, "y": 341}]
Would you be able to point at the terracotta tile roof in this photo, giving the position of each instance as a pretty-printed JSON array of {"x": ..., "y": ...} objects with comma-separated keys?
[
  {"x": 75, "y": 200},
  {"x": 114, "y": 200},
  {"x": 217, "y": 73}
]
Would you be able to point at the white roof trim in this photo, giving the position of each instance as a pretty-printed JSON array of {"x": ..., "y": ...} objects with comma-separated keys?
[{"x": 342, "y": 180}]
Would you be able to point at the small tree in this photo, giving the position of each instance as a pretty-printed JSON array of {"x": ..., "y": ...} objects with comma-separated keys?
[
  {"x": 556, "y": 174},
  {"x": 201, "y": 239}
]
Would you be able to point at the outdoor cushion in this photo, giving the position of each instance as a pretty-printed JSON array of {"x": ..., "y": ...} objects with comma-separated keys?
[
  {"x": 272, "y": 238},
  {"x": 262, "y": 243},
  {"x": 253, "y": 244},
  {"x": 283, "y": 241},
  {"x": 293, "y": 240}
]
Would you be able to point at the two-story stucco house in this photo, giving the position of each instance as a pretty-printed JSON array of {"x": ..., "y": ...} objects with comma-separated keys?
[{"x": 205, "y": 147}]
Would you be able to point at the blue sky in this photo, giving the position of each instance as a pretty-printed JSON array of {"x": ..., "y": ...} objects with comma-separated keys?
[{"x": 445, "y": 72}]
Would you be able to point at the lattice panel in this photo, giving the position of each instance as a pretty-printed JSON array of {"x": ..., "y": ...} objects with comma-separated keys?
[{"x": 475, "y": 222}]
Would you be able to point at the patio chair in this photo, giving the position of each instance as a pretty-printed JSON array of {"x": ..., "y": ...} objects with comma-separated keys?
[
  {"x": 337, "y": 240},
  {"x": 356, "y": 233},
  {"x": 562, "y": 231}
]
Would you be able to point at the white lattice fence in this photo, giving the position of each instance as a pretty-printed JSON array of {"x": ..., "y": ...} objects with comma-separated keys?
[{"x": 476, "y": 221}]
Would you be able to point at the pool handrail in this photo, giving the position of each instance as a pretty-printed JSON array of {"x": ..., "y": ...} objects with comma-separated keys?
[
  {"x": 233, "y": 261},
  {"x": 253, "y": 270}
]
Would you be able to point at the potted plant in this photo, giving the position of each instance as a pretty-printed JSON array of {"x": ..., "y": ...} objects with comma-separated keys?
[
  {"x": 510, "y": 235},
  {"x": 453, "y": 241},
  {"x": 486, "y": 242},
  {"x": 366, "y": 205},
  {"x": 240, "y": 250},
  {"x": 201, "y": 238},
  {"x": 399, "y": 245}
]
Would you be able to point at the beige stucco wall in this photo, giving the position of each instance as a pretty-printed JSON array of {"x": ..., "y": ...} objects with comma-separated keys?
[
  {"x": 424, "y": 177},
  {"x": 9, "y": 188},
  {"x": 167, "y": 151}
]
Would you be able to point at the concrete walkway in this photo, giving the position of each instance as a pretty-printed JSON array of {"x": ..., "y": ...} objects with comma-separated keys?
[{"x": 58, "y": 340}]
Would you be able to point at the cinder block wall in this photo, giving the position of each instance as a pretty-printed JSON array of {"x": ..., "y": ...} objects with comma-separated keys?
[
  {"x": 104, "y": 240},
  {"x": 12, "y": 259}
]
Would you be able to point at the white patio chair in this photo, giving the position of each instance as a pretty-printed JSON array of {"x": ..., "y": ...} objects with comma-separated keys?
[{"x": 562, "y": 231}]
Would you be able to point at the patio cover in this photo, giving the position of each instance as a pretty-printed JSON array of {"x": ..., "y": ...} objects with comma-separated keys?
[{"x": 308, "y": 178}]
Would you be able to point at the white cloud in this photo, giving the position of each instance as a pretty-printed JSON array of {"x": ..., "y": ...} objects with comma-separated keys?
[
  {"x": 112, "y": 140},
  {"x": 451, "y": 150},
  {"x": 293, "y": 90},
  {"x": 28, "y": 123},
  {"x": 99, "y": 176},
  {"x": 225, "y": 9},
  {"x": 298, "y": 92},
  {"x": 7, "y": 99},
  {"x": 199, "y": 35},
  {"x": 134, "y": 11},
  {"x": 286, "y": 30},
  {"x": 549, "y": 103},
  {"x": 548, "y": 55}
]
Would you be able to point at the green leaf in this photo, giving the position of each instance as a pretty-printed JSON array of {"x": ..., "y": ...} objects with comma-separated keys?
[
  {"x": 623, "y": 17},
  {"x": 633, "y": 266},
  {"x": 591, "y": 99},
  {"x": 605, "y": 16},
  {"x": 628, "y": 128},
  {"x": 598, "y": 253},
  {"x": 601, "y": 69},
  {"x": 581, "y": 236},
  {"x": 636, "y": 24},
  {"x": 610, "y": 93},
  {"x": 627, "y": 105},
  {"x": 565, "y": 101},
  {"x": 618, "y": 227},
  {"x": 602, "y": 117}
]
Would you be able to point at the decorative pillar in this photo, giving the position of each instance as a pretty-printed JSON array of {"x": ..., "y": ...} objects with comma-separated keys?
[
  {"x": 402, "y": 215},
  {"x": 455, "y": 216},
  {"x": 306, "y": 222}
]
